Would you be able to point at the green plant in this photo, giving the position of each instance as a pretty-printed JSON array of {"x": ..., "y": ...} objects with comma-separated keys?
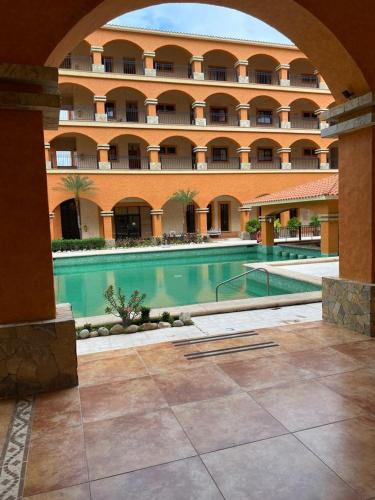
[
  {"x": 118, "y": 305},
  {"x": 87, "y": 326},
  {"x": 86, "y": 244},
  {"x": 293, "y": 223},
  {"x": 166, "y": 317},
  {"x": 145, "y": 314},
  {"x": 185, "y": 197},
  {"x": 277, "y": 224},
  {"x": 252, "y": 226},
  {"x": 314, "y": 221},
  {"x": 77, "y": 185}
]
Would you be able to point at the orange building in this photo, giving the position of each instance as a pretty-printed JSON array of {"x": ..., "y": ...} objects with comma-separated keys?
[{"x": 145, "y": 113}]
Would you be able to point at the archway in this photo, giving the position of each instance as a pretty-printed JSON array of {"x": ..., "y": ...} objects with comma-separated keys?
[
  {"x": 125, "y": 104},
  {"x": 263, "y": 112},
  {"x": 219, "y": 66},
  {"x": 222, "y": 154},
  {"x": 132, "y": 218},
  {"x": 302, "y": 114},
  {"x": 77, "y": 102},
  {"x": 73, "y": 151},
  {"x": 122, "y": 56},
  {"x": 302, "y": 73},
  {"x": 223, "y": 216},
  {"x": 264, "y": 154},
  {"x": 176, "y": 153},
  {"x": 174, "y": 107},
  {"x": 262, "y": 70},
  {"x": 66, "y": 222},
  {"x": 172, "y": 61},
  {"x": 79, "y": 59},
  {"x": 128, "y": 152},
  {"x": 303, "y": 155},
  {"x": 221, "y": 110}
]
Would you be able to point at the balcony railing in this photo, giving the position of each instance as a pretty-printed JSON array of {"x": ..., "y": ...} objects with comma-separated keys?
[
  {"x": 130, "y": 163},
  {"x": 305, "y": 163},
  {"x": 220, "y": 75},
  {"x": 127, "y": 116},
  {"x": 167, "y": 118},
  {"x": 230, "y": 164},
  {"x": 300, "y": 232},
  {"x": 222, "y": 120},
  {"x": 263, "y": 77},
  {"x": 122, "y": 67},
  {"x": 74, "y": 160},
  {"x": 177, "y": 163},
  {"x": 304, "y": 81},
  {"x": 175, "y": 71},
  {"x": 77, "y": 63},
  {"x": 78, "y": 113},
  {"x": 260, "y": 122},
  {"x": 306, "y": 123},
  {"x": 275, "y": 164}
]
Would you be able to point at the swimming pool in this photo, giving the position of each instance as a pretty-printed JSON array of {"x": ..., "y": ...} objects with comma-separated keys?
[{"x": 169, "y": 278}]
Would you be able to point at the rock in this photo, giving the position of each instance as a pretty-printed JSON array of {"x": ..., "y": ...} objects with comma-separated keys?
[
  {"x": 132, "y": 329},
  {"x": 84, "y": 334},
  {"x": 148, "y": 326},
  {"x": 164, "y": 324},
  {"x": 184, "y": 316},
  {"x": 94, "y": 333},
  {"x": 103, "y": 331},
  {"x": 188, "y": 322},
  {"x": 177, "y": 323},
  {"x": 117, "y": 330}
]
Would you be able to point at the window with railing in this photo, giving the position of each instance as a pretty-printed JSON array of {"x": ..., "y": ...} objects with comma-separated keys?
[
  {"x": 264, "y": 118},
  {"x": 304, "y": 80},
  {"x": 219, "y": 115},
  {"x": 219, "y": 154},
  {"x": 265, "y": 154},
  {"x": 129, "y": 66},
  {"x": 216, "y": 73},
  {"x": 263, "y": 77},
  {"x": 168, "y": 150},
  {"x": 108, "y": 64}
]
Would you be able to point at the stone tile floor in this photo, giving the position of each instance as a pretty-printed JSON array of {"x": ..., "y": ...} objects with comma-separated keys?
[{"x": 296, "y": 421}]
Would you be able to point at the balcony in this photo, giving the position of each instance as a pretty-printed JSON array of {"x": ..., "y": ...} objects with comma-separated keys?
[
  {"x": 263, "y": 77},
  {"x": 305, "y": 123},
  {"x": 172, "y": 118},
  {"x": 122, "y": 66},
  {"x": 126, "y": 116},
  {"x": 310, "y": 163},
  {"x": 229, "y": 164},
  {"x": 274, "y": 164},
  {"x": 177, "y": 162},
  {"x": 306, "y": 80},
  {"x": 130, "y": 163},
  {"x": 173, "y": 71},
  {"x": 220, "y": 75},
  {"x": 222, "y": 120},
  {"x": 73, "y": 160},
  {"x": 77, "y": 63},
  {"x": 78, "y": 113}
]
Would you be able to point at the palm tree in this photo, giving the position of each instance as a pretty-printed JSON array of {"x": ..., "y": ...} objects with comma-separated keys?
[
  {"x": 76, "y": 184},
  {"x": 185, "y": 197}
]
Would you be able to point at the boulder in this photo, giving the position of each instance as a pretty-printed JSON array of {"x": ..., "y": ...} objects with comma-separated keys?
[
  {"x": 93, "y": 334},
  {"x": 177, "y": 323},
  {"x": 103, "y": 331},
  {"x": 117, "y": 330},
  {"x": 164, "y": 324},
  {"x": 148, "y": 326},
  {"x": 185, "y": 317},
  {"x": 84, "y": 334},
  {"x": 132, "y": 329}
]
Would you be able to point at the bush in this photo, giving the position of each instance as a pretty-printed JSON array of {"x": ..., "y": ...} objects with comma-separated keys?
[
  {"x": 85, "y": 244},
  {"x": 118, "y": 306},
  {"x": 277, "y": 224},
  {"x": 166, "y": 317},
  {"x": 294, "y": 223},
  {"x": 252, "y": 226},
  {"x": 314, "y": 221},
  {"x": 145, "y": 314},
  {"x": 164, "y": 240}
]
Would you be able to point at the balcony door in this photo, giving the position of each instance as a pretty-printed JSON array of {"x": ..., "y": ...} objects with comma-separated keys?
[
  {"x": 127, "y": 224},
  {"x": 134, "y": 153},
  {"x": 131, "y": 111},
  {"x": 69, "y": 223},
  {"x": 190, "y": 219},
  {"x": 224, "y": 216}
]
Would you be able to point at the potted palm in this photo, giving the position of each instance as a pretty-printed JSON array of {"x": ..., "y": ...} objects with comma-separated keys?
[
  {"x": 293, "y": 224},
  {"x": 315, "y": 224}
]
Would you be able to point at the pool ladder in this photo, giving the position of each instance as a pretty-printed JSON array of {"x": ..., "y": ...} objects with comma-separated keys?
[{"x": 240, "y": 276}]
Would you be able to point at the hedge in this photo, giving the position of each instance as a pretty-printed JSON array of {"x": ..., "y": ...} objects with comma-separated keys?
[{"x": 85, "y": 244}]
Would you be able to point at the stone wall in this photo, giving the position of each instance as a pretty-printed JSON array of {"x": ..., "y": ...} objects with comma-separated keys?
[
  {"x": 350, "y": 304},
  {"x": 39, "y": 356}
]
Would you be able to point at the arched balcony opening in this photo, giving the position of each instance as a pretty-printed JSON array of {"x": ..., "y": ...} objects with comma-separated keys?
[
  {"x": 218, "y": 65},
  {"x": 125, "y": 104},
  {"x": 262, "y": 70},
  {"x": 301, "y": 74},
  {"x": 176, "y": 153},
  {"x": 333, "y": 155},
  {"x": 66, "y": 221},
  {"x": 223, "y": 216},
  {"x": 74, "y": 152},
  {"x": 302, "y": 114},
  {"x": 122, "y": 57},
  {"x": 174, "y": 107},
  {"x": 77, "y": 103},
  {"x": 132, "y": 219},
  {"x": 79, "y": 59},
  {"x": 303, "y": 155},
  {"x": 172, "y": 61},
  {"x": 263, "y": 112},
  {"x": 222, "y": 154},
  {"x": 265, "y": 154},
  {"x": 128, "y": 152},
  {"x": 221, "y": 110}
]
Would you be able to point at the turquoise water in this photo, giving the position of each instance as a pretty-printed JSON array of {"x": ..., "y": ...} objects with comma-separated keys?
[{"x": 170, "y": 278}]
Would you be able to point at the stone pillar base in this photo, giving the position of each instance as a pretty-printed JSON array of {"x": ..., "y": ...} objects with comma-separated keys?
[
  {"x": 350, "y": 304},
  {"x": 243, "y": 79},
  {"x": 198, "y": 76},
  {"x": 39, "y": 356},
  {"x": 244, "y": 123},
  {"x": 104, "y": 165},
  {"x": 101, "y": 117},
  {"x": 285, "y": 125},
  {"x": 201, "y": 166},
  {"x": 284, "y": 83},
  {"x": 150, "y": 72},
  {"x": 98, "y": 68},
  {"x": 324, "y": 166},
  {"x": 110, "y": 243},
  {"x": 286, "y": 166},
  {"x": 48, "y": 164},
  {"x": 154, "y": 165},
  {"x": 152, "y": 120},
  {"x": 200, "y": 122},
  {"x": 245, "y": 166}
]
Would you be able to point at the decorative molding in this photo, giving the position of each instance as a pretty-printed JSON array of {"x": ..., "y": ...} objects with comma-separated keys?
[
  {"x": 328, "y": 217},
  {"x": 242, "y": 106},
  {"x": 100, "y": 98},
  {"x": 241, "y": 63},
  {"x": 202, "y": 210},
  {"x": 151, "y": 101},
  {"x": 107, "y": 213},
  {"x": 148, "y": 53},
  {"x": 283, "y": 150},
  {"x": 196, "y": 58},
  {"x": 157, "y": 211},
  {"x": 153, "y": 148},
  {"x": 282, "y": 66},
  {"x": 96, "y": 48},
  {"x": 103, "y": 147},
  {"x": 200, "y": 149},
  {"x": 346, "y": 127},
  {"x": 243, "y": 149},
  {"x": 200, "y": 104}
]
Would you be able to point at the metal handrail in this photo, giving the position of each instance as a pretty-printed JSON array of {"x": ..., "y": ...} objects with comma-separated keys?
[{"x": 240, "y": 276}]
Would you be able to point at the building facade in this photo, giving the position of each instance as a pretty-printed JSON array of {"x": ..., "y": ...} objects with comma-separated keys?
[{"x": 146, "y": 113}]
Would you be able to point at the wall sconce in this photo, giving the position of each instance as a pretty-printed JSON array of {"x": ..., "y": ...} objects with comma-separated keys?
[
  {"x": 269, "y": 220},
  {"x": 85, "y": 228}
]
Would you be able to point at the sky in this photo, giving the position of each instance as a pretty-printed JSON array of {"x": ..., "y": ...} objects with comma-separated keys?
[{"x": 208, "y": 20}]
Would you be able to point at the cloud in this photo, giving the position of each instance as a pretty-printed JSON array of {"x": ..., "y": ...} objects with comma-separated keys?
[{"x": 202, "y": 19}]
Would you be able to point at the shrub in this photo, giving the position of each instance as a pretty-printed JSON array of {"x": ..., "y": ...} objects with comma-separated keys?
[
  {"x": 277, "y": 224},
  {"x": 252, "y": 226},
  {"x": 166, "y": 317},
  {"x": 145, "y": 314},
  {"x": 118, "y": 306},
  {"x": 294, "y": 223},
  {"x": 85, "y": 244},
  {"x": 314, "y": 221}
]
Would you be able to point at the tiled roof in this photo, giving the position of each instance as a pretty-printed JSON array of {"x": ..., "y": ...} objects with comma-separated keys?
[{"x": 322, "y": 189}]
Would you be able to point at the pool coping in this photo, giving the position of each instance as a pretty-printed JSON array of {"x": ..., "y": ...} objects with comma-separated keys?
[{"x": 226, "y": 306}]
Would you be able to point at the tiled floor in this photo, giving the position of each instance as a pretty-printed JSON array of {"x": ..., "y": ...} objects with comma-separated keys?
[{"x": 292, "y": 422}]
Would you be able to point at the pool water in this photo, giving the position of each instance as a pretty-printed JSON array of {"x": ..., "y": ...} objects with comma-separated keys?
[{"x": 169, "y": 278}]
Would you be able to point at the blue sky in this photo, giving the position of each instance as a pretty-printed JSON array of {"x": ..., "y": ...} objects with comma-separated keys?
[{"x": 208, "y": 20}]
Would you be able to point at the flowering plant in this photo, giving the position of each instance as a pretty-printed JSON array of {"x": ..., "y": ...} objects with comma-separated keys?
[{"x": 118, "y": 306}]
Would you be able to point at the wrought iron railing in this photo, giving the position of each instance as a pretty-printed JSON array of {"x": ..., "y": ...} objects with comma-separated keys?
[
  {"x": 130, "y": 163},
  {"x": 222, "y": 119},
  {"x": 229, "y": 164},
  {"x": 304, "y": 81},
  {"x": 177, "y": 162},
  {"x": 123, "y": 115},
  {"x": 283, "y": 233},
  {"x": 77, "y": 63},
  {"x": 220, "y": 75},
  {"x": 275, "y": 163},
  {"x": 310, "y": 123},
  {"x": 263, "y": 77},
  {"x": 78, "y": 113},
  {"x": 120, "y": 66},
  {"x": 311, "y": 163},
  {"x": 176, "y": 71},
  {"x": 260, "y": 122},
  {"x": 73, "y": 160},
  {"x": 166, "y": 117}
]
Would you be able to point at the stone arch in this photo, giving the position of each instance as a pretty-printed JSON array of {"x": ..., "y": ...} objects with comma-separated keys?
[{"x": 262, "y": 69}]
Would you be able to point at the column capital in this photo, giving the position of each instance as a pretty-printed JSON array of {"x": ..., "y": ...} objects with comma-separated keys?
[
  {"x": 151, "y": 101},
  {"x": 157, "y": 211},
  {"x": 320, "y": 111},
  {"x": 96, "y": 48},
  {"x": 241, "y": 63},
  {"x": 148, "y": 53},
  {"x": 100, "y": 98},
  {"x": 283, "y": 108},
  {"x": 47, "y": 145},
  {"x": 283, "y": 150},
  {"x": 107, "y": 213},
  {"x": 266, "y": 218},
  {"x": 328, "y": 217},
  {"x": 282, "y": 66},
  {"x": 196, "y": 58},
  {"x": 152, "y": 148},
  {"x": 52, "y": 215},
  {"x": 244, "y": 149},
  {"x": 197, "y": 104},
  {"x": 200, "y": 149},
  {"x": 321, "y": 150},
  {"x": 244, "y": 209},
  {"x": 202, "y": 210},
  {"x": 103, "y": 147},
  {"x": 242, "y": 106}
]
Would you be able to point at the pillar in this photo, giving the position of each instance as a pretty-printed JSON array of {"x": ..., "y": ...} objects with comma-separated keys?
[
  {"x": 284, "y": 154},
  {"x": 243, "y": 114},
  {"x": 323, "y": 158},
  {"x": 197, "y": 67},
  {"x": 157, "y": 226},
  {"x": 283, "y": 74},
  {"x": 329, "y": 234},
  {"x": 199, "y": 113},
  {"x": 107, "y": 217},
  {"x": 148, "y": 63},
  {"x": 321, "y": 83},
  {"x": 97, "y": 62},
  {"x": 47, "y": 155},
  {"x": 245, "y": 213},
  {"x": 241, "y": 71},
  {"x": 320, "y": 114},
  {"x": 151, "y": 112},
  {"x": 267, "y": 230},
  {"x": 103, "y": 159},
  {"x": 244, "y": 154},
  {"x": 284, "y": 116},
  {"x": 200, "y": 157},
  {"x": 202, "y": 220},
  {"x": 52, "y": 225},
  {"x": 100, "y": 114},
  {"x": 153, "y": 157}
]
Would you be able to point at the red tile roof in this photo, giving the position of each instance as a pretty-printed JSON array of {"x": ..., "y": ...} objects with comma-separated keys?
[{"x": 324, "y": 188}]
